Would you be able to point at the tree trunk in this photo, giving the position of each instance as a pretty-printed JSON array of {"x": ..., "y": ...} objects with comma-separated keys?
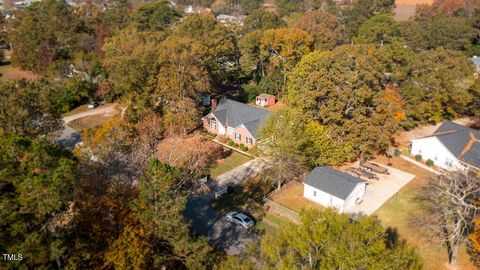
[{"x": 453, "y": 256}]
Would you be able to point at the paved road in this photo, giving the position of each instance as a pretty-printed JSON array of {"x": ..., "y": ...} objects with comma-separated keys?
[
  {"x": 69, "y": 136},
  {"x": 212, "y": 224}
]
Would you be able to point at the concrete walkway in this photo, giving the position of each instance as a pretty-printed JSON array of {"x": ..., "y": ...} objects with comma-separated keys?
[
  {"x": 242, "y": 172},
  {"x": 378, "y": 192}
]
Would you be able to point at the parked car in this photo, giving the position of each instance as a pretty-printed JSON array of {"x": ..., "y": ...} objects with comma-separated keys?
[
  {"x": 359, "y": 172},
  {"x": 373, "y": 167},
  {"x": 240, "y": 219},
  {"x": 93, "y": 105}
]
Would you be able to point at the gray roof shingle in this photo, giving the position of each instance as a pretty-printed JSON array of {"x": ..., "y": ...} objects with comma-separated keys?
[
  {"x": 456, "y": 139},
  {"x": 233, "y": 113},
  {"x": 331, "y": 181}
]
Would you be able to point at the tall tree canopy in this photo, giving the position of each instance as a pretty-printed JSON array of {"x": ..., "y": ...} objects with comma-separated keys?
[
  {"x": 328, "y": 240},
  {"x": 380, "y": 29},
  {"x": 354, "y": 16},
  {"x": 344, "y": 90},
  {"x": 218, "y": 43},
  {"x": 438, "y": 87},
  {"x": 155, "y": 16},
  {"x": 42, "y": 33},
  {"x": 36, "y": 183},
  {"x": 262, "y": 20},
  {"x": 28, "y": 108},
  {"x": 322, "y": 26}
]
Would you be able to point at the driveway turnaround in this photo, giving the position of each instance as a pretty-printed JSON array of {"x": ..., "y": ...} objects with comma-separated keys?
[
  {"x": 378, "y": 192},
  {"x": 213, "y": 225}
]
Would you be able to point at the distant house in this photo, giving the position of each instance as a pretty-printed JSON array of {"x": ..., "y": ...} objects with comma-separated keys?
[
  {"x": 226, "y": 19},
  {"x": 476, "y": 61},
  {"x": 452, "y": 147},
  {"x": 265, "y": 100},
  {"x": 332, "y": 188},
  {"x": 235, "y": 120}
]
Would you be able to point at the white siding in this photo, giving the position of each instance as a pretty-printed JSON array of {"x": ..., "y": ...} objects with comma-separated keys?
[
  {"x": 323, "y": 198},
  {"x": 432, "y": 148},
  {"x": 221, "y": 128},
  {"x": 356, "y": 196}
]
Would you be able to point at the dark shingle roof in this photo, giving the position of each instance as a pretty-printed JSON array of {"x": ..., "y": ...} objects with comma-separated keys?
[
  {"x": 332, "y": 181},
  {"x": 234, "y": 114},
  {"x": 456, "y": 138}
]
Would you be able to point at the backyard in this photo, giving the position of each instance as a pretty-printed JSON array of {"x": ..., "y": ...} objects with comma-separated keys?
[
  {"x": 291, "y": 196},
  {"x": 397, "y": 212}
]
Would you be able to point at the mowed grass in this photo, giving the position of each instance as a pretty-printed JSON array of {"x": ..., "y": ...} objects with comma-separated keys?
[
  {"x": 8, "y": 73},
  {"x": 234, "y": 160},
  {"x": 270, "y": 223},
  {"x": 291, "y": 196},
  {"x": 397, "y": 212}
]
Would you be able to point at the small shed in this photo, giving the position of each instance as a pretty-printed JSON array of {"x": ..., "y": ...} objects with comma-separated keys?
[
  {"x": 332, "y": 188},
  {"x": 265, "y": 100}
]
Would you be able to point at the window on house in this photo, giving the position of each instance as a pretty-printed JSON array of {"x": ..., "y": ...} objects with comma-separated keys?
[
  {"x": 314, "y": 193},
  {"x": 448, "y": 162},
  {"x": 213, "y": 124},
  {"x": 249, "y": 140},
  {"x": 238, "y": 136}
]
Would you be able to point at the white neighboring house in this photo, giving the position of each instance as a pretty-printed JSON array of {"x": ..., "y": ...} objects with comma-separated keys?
[
  {"x": 333, "y": 188},
  {"x": 452, "y": 147}
]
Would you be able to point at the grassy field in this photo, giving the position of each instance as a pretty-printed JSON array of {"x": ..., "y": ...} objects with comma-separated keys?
[
  {"x": 8, "y": 72},
  {"x": 291, "y": 196},
  {"x": 231, "y": 162},
  {"x": 398, "y": 210},
  {"x": 90, "y": 122}
]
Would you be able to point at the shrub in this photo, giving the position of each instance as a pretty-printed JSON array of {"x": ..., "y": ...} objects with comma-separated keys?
[
  {"x": 429, "y": 163},
  {"x": 243, "y": 148},
  {"x": 236, "y": 144},
  {"x": 418, "y": 157},
  {"x": 397, "y": 153},
  {"x": 231, "y": 143}
]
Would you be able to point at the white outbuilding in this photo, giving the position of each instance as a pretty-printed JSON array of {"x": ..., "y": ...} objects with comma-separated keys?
[
  {"x": 332, "y": 188},
  {"x": 452, "y": 147}
]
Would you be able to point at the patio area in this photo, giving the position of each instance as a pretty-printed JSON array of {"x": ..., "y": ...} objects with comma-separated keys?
[{"x": 379, "y": 191}]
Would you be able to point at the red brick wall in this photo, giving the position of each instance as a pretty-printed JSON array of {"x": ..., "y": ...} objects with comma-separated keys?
[{"x": 244, "y": 134}]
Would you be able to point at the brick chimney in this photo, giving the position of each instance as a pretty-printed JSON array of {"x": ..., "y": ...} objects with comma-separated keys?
[{"x": 213, "y": 103}]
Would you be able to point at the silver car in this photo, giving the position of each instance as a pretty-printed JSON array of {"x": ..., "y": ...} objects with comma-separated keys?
[{"x": 240, "y": 219}]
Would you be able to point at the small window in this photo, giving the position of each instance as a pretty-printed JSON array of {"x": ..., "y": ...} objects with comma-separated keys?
[
  {"x": 213, "y": 124},
  {"x": 238, "y": 136},
  {"x": 448, "y": 162},
  {"x": 249, "y": 140},
  {"x": 314, "y": 193}
]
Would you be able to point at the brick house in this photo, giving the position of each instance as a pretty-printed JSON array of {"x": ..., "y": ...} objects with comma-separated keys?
[{"x": 235, "y": 120}]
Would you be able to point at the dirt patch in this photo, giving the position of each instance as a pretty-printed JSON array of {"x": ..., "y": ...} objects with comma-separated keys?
[
  {"x": 92, "y": 121},
  {"x": 8, "y": 72}
]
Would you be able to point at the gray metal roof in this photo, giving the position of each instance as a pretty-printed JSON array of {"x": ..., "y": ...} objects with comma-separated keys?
[
  {"x": 233, "y": 114},
  {"x": 456, "y": 139},
  {"x": 331, "y": 181}
]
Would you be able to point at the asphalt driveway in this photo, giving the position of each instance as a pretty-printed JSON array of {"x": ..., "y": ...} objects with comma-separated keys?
[{"x": 213, "y": 225}]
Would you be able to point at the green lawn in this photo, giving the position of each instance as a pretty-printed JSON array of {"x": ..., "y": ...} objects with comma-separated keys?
[
  {"x": 229, "y": 163},
  {"x": 397, "y": 212},
  {"x": 271, "y": 222}
]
